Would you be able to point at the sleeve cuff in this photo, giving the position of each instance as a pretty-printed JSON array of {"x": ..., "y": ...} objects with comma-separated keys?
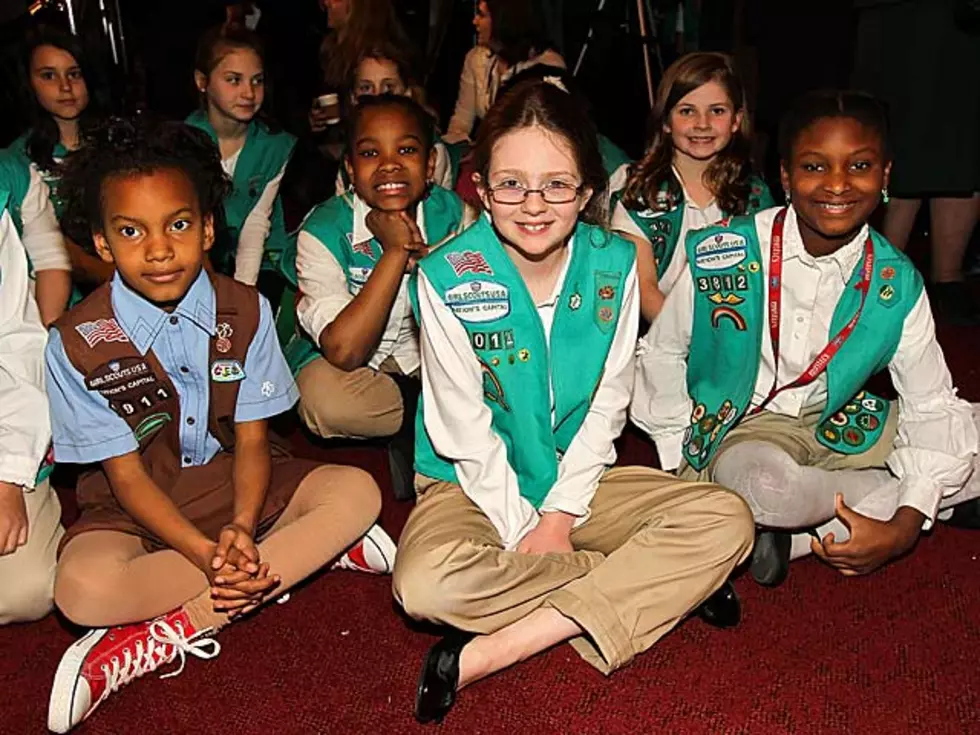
[
  {"x": 669, "y": 449},
  {"x": 922, "y": 494},
  {"x": 95, "y": 452},
  {"x": 267, "y": 409},
  {"x": 19, "y": 470}
]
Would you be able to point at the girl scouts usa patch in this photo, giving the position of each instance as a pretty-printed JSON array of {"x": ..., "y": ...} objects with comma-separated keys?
[
  {"x": 478, "y": 301},
  {"x": 720, "y": 251}
]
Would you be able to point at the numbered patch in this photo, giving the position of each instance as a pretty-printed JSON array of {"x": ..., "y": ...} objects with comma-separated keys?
[
  {"x": 731, "y": 282},
  {"x": 499, "y": 340}
]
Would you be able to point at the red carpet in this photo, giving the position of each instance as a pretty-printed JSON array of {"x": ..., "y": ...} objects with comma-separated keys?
[{"x": 896, "y": 652}]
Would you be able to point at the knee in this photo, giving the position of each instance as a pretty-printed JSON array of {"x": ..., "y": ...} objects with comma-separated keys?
[
  {"x": 346, "y": 416},
  {"x": 30, "y": 597},
  {"x": 430, "y": 585},
  {"x": 739, "y": 522},
  {"x": 762, "y": 474},
  {"x": 81, "y": 594},
  {"x": 358, "y": 488}
]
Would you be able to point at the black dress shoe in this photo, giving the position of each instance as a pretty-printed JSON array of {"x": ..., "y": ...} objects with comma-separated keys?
[
  {"x": 436, "y": 693},
  {"x": 966, "y": 515},
  {"x": 723, "y": 609},
  {"x": 770, "y": 558}
]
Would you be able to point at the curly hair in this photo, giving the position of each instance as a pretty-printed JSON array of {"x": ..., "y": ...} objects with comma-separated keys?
[
  {"x": 533, "y": 102},
  {"x": 140, "y": 145},
  {"x": 727, "y": 176}
]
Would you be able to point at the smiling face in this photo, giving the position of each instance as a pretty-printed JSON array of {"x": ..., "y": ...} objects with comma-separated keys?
[
  {"x": 483, "y": 24},
  {"x": 703, "y": 122},
  {"x": 834, "y": 177},
  {"x": 534, "y": 158},
  {"x": 377, "y": 76},
  {"x": 388, "y": 163},
  {"x": 235, "y": 88},
  {"x": 57, "y": 81},
  {"x": 154, "y": 233}
]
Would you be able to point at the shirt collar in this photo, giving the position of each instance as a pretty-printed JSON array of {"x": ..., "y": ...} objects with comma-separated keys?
[
  {"x": 846, "y": 258},
  {"x": 687, "y": 197},
  {"x": 142, "y": 320},
  {"x": 560, "y": 282},
  {"x": 361, "y": 231}
]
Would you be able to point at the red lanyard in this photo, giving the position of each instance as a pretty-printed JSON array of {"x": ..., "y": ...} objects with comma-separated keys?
[{"x": 775, "y": 312}]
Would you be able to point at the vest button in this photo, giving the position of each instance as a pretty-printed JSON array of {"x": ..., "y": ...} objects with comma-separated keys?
[
  {"x": 184, "y": 369},
  {"x": 174, "y": 320},
  {"x": 187, "y": 460},
  {"x": 190, "y": 421}
]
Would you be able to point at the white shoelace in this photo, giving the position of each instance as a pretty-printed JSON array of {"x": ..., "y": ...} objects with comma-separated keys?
[{"x": 156, "y": 652}]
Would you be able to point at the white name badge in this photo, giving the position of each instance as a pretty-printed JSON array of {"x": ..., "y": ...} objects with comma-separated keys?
[{"x": 478, "y": 301}]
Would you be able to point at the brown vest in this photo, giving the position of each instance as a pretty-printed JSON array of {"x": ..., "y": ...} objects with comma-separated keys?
[{"x": 138, "y": 388}]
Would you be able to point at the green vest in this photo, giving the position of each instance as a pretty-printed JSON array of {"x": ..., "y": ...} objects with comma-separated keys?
[
  {"x": 481, "y": 285},
  {"x": 51, "y": 178},
  {"x": 730, "y": 297},
  {"x": 332, "y": 223},
  {"x": 613, "y": 157},
  {"x": 663, "y": 228},
  {"x": 15, "y": 179},
  {"x": 260, "y": 161}
]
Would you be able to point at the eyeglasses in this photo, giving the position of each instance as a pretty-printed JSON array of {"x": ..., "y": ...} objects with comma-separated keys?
[{"x": 557, "y": 192}]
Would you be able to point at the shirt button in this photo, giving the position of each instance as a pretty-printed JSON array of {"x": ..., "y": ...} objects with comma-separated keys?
[
  {"x": 174, "y": 320},
  {"x": 799, "y": 319},
  {"x": 184, "y": 369},
  {"x": 190, "y": 421},
  {"x": 187, "y": 460}
]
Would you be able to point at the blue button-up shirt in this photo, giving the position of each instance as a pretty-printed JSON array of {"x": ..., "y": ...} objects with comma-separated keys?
[{"x": 86, "y": 429}]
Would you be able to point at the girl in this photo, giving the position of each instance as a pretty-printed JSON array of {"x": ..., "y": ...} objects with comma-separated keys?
[
  {"x": 510, "y": 37},
  {"x": 521, "y": 534},
  {"x": 189, "y": 521},
  {"x": 695, "y": 172},
  {"x": 62, "y": 111},
  {"x": 357, "y": 363},
  {"x": 230, "y": 78},
  {"x": 384, "y": 69},
  {"x": 840, "y": 304}
]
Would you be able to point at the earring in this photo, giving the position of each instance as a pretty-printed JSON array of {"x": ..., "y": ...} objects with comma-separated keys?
[
  {"x": 884, "y": 195},
  {"x": 786, "y": 194}
]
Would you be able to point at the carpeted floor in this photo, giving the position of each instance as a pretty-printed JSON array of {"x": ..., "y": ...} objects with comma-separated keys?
[{"x": 896, "y": 652}]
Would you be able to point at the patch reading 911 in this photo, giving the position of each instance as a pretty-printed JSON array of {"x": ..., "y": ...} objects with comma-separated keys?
[{"x": 478, "y": 301}]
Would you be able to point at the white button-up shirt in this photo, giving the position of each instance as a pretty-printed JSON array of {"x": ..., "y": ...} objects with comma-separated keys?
[
  {"x": 325, "y": 293},
  {"x": 937, "y": 439},
  {"x": 458, "y": 420}
]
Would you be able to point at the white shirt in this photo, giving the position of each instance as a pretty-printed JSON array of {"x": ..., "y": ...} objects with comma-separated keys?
[
  {"x": 25, "y": 428},
  {"x": 458, "y": 420},
  {"x": 695, "y": 218},
  {"x": 324, "y": 293},
  {"x": 256, "y": 227},
  {"x": 937, "y": 439},
  {"x": 479, "y": 83},
  {"x": 42, "y": 236}
]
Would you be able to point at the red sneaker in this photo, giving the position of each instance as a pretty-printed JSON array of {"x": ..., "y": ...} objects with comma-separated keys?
[
  {"x": 374, "y": 553},
  {"x": 106, "y": 659}
]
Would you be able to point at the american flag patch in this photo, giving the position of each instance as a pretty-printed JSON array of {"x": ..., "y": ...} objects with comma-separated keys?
[
  {"x": 363, "y": 248},
  {"x": 101, "y": 330},
  {"x": 468, "y": 261}
]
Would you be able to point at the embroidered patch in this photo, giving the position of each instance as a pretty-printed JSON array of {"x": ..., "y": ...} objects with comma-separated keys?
[
  {"x": 524, "y": 354},
  {"x": 357, "y": 277},
  {"x": 868, "y": 422},
  {"x": 227, "y": 371},
  {"x": 469, "y": 261},
  {"x": 492, "y": 389},
  {"x": 478, "y": 301},
  {"x": 101, "y": 330},
  {"x": 501, "y": 340},
  {"x": 575, "y": 301},
  {"x": 736, "y": 282},
  {"x": 720, "y": 251},
  {"x": 726, "y": 312},
  {"x": 151, "y": 425},
  {"x": 363, "y": 248},
  {"x": 120, "y": 375},
  {"x": 698, "y": 413},
  {"x": 607, "y": 293},
  {"x": 887, "y": 273},
  {"x": 606, "y": 314},
  {"x": 887, "y": 293},
  {"x": 224, "y": 332},
  {"x": 730, "y": 299},
  {"x": 268, "y": 388}
]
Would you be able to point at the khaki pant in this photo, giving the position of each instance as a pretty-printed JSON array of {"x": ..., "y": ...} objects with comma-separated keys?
[
  {"x": 360, "y": 403},
  {"x": 27, "y": 575},
  {"x": 654, "y": 548},
  {"x": 796, "y": 435}
]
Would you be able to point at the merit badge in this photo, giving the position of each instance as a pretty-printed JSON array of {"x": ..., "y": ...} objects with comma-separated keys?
[
  {"x": 607, "y": 293},
  {"x": 868, "y": 422},
  {"x": 707, "y": 424},
  {"x": 887, "y": 293},
  {"x": 227, "y": 371},
  {"x": 727, "y": 412},
  {"x": 731, "y": 299},
  {"x": 606, "y": 314},
  {"x": 694, "y": 448},
  {"x": 871, "y": 404},
  {"x": 224, "y": 332},
  {"x": 268, "y": 388},
  {"x": 101, "y": 330},
  {"x": 852, "y": 408},
  {"x": 468, "y": 261},
  {"x": 831, "y": 435},
  {"x": 575, "y": 301},
  {"x": 838, "y": 419},
  {"x": 698, "y": 413},
  {"x": 151, "y": 425},
  {"x": 887, "y": 273},
  {"x": 493, "y": 390},
  {"x": 753, "y": 267},
  {"x": 854, "y": 437},
  {"x": 524, "y": 354},
  {"x": 726, "y": 312}
]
